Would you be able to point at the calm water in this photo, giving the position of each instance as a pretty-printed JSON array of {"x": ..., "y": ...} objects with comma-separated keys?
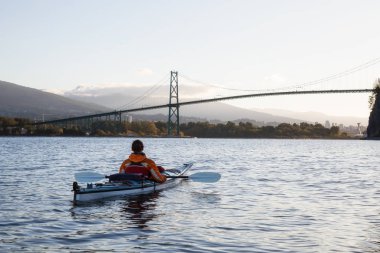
[{"x": 274, "y": 196}]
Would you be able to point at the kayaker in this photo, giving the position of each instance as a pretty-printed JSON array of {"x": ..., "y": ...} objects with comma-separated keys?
[{"x": 137, "y": 162}]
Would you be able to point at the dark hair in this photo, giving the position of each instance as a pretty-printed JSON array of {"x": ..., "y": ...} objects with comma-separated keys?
[{"x": 137, "y": 146}]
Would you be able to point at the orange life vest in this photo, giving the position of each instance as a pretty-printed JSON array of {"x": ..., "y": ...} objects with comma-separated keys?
[{"x": 139, "y": 163}]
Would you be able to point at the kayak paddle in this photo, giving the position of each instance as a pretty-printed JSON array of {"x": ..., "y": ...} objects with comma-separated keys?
[
  {"x": 88, "y": 176},
  {"x": 202, "y": 177}
]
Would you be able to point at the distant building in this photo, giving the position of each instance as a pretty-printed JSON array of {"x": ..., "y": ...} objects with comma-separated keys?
[
  {"x": 128, "y": 118},
  {"x": 327, "y": 124},
  {"x": 23, "y": 131}
]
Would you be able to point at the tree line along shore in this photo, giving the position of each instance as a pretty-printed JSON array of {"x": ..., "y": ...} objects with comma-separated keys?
[{"x": 24, "y": 127}]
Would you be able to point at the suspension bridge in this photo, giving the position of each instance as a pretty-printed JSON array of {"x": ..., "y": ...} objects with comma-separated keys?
[{"x": 174, "y": 105}]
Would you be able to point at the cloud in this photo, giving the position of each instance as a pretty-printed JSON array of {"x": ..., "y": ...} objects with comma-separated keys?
[
  {"x": 101, "y": 89},
  {"x": 186, "y": 91},
  {"x": 55, "y": 91},
  {"x": 275, "y": 78},
  {"x": 144, "y": 72}
]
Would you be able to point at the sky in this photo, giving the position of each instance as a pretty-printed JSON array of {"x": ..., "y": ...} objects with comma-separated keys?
[{"x": 215, "y": 45}]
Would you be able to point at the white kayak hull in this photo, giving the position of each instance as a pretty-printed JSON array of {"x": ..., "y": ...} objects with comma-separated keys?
[{"x": 107, "y": 190}]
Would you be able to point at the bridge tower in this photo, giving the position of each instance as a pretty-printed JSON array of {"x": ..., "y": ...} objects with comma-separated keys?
[{"x": 173, "y": 116}]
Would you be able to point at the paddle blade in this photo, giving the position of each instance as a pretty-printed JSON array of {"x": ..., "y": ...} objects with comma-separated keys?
[
  {"x": 205, "y": 177},
  {"x": 88, "y": 176}
]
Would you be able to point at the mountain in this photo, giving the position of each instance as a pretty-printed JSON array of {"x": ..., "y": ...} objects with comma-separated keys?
[
  {"x": 20, "y": 101},
  {"x": 221, "y": 111},
  {"x": 317, "y": 117}
]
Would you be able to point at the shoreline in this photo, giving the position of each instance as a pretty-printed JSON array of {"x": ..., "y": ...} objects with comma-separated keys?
[{"x": 187, "y": 137}]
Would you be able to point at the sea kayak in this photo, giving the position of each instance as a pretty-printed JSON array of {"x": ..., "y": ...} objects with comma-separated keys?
[{"x": 124, "y": 184}]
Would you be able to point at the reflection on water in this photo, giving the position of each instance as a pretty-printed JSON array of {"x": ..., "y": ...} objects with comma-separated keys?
[
  {"x": 206, "y": 198},
  {"x": 140, "y": 209},
  {"x": 373, "y": 240}
]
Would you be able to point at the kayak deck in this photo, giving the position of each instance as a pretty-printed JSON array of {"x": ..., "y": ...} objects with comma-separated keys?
[{"x": 95, "y": 191}]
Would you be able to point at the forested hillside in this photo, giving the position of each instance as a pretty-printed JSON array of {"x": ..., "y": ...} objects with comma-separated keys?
[{"x": 20, "y": 101}]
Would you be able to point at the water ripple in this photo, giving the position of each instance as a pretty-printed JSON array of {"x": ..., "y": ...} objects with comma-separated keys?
[{"x": 274, "y": 196}]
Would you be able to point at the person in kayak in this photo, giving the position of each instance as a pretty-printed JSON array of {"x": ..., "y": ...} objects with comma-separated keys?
[{"x": 137, "y": 162}]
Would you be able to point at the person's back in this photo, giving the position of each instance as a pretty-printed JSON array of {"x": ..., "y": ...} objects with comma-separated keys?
[{"x": 138, "y": 158}]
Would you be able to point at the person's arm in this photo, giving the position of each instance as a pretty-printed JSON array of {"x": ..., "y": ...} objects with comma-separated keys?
[
  {"x": 122, "y": 166},
  {"x": 155, "y": 172}
]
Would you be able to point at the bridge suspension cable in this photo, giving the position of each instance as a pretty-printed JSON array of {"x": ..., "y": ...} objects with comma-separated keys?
[
  {"x": 344, "y": 73},
  {"x": 146, "y": 94}
]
